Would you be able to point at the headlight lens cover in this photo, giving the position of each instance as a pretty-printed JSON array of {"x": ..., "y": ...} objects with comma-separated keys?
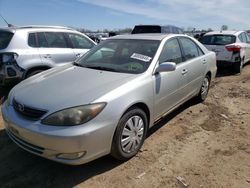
[{"x": 74, "y": 116}]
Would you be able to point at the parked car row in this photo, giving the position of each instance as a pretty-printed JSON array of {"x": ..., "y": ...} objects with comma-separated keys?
[{"x": 105, "y": 102}]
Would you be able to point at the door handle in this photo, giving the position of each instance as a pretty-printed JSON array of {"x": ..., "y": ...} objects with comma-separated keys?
[
  {"x": 47, "y": 56},
  {"x": 204, "y": 61},
  {"x": 184, "y": 71},
  {"x": 78, "y": 55}
]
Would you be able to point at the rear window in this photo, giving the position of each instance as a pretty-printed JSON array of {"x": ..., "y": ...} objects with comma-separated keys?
[
  {"x": 5, "y": 38},
  {"x": 218, "y": 39},
  {"x": 146, "y": 29}
]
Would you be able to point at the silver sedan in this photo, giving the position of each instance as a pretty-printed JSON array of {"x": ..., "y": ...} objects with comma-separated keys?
[{"x": 106, "y": 101}]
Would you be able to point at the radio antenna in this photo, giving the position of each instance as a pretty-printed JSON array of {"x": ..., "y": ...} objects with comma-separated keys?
[{"x": 9, "y": 25}]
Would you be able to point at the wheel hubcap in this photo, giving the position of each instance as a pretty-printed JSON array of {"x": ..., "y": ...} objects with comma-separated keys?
[
  {"x": 132, "y": 134},
  {"x": 204, "y": 88}
]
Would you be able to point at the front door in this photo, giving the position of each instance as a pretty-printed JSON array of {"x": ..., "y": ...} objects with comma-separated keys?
[{"x": 170, "y": 87}]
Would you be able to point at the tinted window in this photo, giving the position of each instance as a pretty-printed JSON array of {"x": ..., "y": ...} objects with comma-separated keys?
[
  {"x": 244, "y": 36},
  {"x": 56, "y": 40},
  {"x": 190, "y": 49},
  {"x": 32, "y": 40},
  {"x": 146, "y": 29},
  {"x": 79, "y": 41},
  {"x": 241, "y": 38},
  {"x": 218, "y": 39},
  {"x": 121, "y": 55},
  {"x": 5, "y": 38},
  {"x": 42, "y": 40},
  {"x": 171, "y": 52}
]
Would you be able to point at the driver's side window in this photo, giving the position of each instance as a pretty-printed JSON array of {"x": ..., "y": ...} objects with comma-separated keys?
[{"x": 171, "y": 52}]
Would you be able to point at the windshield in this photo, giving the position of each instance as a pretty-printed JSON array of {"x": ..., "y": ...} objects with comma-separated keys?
[
  {"x": 121, "y": 55},
  {"x": 5, "y": 38},
  {"x": 218, "y": 39}
]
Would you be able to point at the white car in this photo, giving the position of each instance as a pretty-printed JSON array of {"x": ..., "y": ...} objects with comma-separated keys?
[
  {"x": 232, "y": 48},
  {"x": 28, "y": 50}
]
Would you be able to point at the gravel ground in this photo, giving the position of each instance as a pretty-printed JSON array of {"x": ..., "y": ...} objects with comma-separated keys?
[{"x": 207, "y": 145}]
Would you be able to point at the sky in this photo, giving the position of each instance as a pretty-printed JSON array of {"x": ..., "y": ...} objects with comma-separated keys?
[{"x": 117, "y": 14}]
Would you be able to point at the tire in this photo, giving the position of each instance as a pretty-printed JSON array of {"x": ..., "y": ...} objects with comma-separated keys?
[
  {"x": 130, "y": 134},
  {"x": 32, "y": 73},
  {"x": 237, "y": 67},
  {"x": 204, "y": 89}
]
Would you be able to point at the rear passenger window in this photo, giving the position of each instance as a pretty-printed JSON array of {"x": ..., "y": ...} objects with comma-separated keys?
[
  {"x": 32, "y": 40},
  {"x": 56, "y": 40},
  {"x": 42, "y": 40},
  {"x": 244, "y": 36},
  {"x": 190, "y": 49},
  {"x": 80, "y": 42},
  {"x": 241, "y": 38},
  {"x": 171, "y": 52}
]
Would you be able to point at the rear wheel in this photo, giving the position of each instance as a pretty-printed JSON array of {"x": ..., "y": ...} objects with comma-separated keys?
[
  {"x": 204, "y": 89},
  {"x": 130, "y": 134}
]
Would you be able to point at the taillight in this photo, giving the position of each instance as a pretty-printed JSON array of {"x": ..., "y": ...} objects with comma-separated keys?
[
  {"x": 8, "y": 58},
  {"x": 233, "y": 48}
]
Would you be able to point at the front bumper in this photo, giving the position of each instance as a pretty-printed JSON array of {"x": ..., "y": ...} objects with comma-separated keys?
[
  {"x": 10, "y": 74},
  {"x": 93, "y": 140}
]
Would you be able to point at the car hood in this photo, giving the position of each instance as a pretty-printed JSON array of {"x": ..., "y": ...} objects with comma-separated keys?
[{"x": 66, "y": 87}]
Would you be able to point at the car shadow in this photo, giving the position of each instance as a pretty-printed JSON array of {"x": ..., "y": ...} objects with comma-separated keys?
[
  {"x": 22, "y": 169},
  {"x": 162, "y": 122},
  {"x": 4, "y": 91},
  {"x": 227, "y": 71}
]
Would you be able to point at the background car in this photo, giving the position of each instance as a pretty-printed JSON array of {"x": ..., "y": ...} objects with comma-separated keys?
[
  {"x": 232, "y": 48},
  {"x": 28, "y": 50},
  {"x": 156, "y": 29},
  {"x": 106, "y": 101}
]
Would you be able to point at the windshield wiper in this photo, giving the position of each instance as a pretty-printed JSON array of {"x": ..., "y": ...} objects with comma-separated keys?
[{"x": 102, "y": 68}]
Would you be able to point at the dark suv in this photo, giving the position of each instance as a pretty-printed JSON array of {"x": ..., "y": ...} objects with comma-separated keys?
[{"x": 156, "y": 29}]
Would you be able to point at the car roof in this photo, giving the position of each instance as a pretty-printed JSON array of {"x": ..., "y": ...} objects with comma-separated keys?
[
  {"x": 146, "y": 36},
  {"x": 227, "y": 32},
  {"x": 34, "y": 27}
]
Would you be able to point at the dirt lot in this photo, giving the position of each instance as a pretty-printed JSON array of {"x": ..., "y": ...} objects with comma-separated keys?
[{"x": 206, "y": 144}]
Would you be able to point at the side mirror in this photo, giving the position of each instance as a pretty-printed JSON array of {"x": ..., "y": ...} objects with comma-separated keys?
[{"x": 166, "y": 67}]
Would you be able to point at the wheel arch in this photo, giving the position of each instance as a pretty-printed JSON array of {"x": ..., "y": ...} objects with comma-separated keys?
[
  {"x": 31, "y": 69},
  {"x": 142, "y": 106}
]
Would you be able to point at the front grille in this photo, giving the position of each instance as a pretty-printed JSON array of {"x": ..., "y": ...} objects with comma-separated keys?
[
  {"x": 27, "y": 111},
  {"x": 25, "y": 145}
]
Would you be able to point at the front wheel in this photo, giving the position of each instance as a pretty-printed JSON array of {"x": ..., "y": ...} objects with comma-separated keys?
[
  {"x": 130, "y": 134},
  {"x": 204, "y": 89}
]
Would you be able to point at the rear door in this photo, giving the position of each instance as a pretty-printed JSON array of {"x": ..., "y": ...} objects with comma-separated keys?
[
  {"x": 196, "y": 65},
  {"x": 54, "y": 49},
  {"x": 217, "y": 44},
  {"x": 170, "y": 87},
  {"x": 80, "y": 43}
]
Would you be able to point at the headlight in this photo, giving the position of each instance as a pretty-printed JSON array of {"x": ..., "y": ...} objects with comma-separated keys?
[{"x": 74, "y": 116}]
